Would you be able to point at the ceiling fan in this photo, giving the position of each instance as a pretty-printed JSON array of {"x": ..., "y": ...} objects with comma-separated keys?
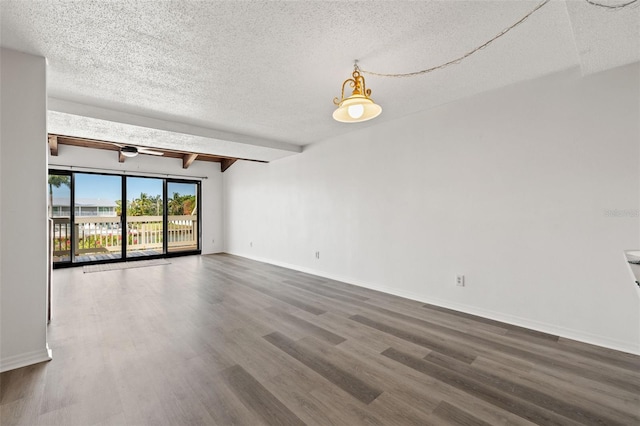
[{"x": 132, "y": 151}]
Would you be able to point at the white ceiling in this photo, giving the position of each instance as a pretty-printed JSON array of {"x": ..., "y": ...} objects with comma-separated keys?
[{"x": 258, "y": 78}]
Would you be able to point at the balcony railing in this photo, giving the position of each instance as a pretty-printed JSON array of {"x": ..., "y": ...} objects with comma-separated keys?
[{"x": 103, "y": 234}]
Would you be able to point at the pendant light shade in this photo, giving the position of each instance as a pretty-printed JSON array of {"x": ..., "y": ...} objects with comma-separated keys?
[
  {"x": 359, "y": 106},
  {"x": 356, "y": 108}
]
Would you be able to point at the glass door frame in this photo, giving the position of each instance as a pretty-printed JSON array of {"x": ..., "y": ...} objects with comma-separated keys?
[
  {"x": 125, "y": 217},
  {"x": 69, "y": 233},
  {"x": 74, "y": 237},
  {"x": 198, "y": 185}
]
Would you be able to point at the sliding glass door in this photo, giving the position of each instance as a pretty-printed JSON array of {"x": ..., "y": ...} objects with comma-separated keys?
[
  {"x": 100, "y": 217},
  {"x": 145, "y": 221},
  {"x": 182, "y": 219},
  {"x": 97, "y": 234}
]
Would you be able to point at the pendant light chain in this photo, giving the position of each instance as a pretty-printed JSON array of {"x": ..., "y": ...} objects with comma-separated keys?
[
  {"x": 487, "y": 43},
  {"x": 606, "y": 6}
]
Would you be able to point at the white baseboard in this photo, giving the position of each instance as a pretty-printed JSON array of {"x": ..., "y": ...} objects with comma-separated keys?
[
  {"x": 541, "y": 326},
  {"x": 22, "y": 360}
]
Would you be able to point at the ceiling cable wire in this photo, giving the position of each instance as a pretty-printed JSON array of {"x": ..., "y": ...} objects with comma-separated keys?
[
  {"x": 466, "y": 55},
  {"x": 487, "y": 43}
]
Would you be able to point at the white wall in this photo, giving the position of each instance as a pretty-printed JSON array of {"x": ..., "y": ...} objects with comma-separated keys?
[
  {"x": 23, "y": 210},
  {"x": 513, "y": 188},
  {"x": 211, "y": 187}
]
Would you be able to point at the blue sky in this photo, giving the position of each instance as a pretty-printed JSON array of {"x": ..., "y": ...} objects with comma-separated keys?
[{"x": 108, "y": 187}]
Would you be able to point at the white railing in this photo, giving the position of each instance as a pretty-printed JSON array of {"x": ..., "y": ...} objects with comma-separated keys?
[
  {"x": 182, "y": 232},
  {"x": 96, "y": 234},
  {"x": 103, "y": 234},
  {"x": 61, "y": 238},
  {"x": 145, "y": 233}
]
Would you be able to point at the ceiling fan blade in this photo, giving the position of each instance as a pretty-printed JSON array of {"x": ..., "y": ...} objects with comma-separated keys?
[{"x": 149, "y": 151}]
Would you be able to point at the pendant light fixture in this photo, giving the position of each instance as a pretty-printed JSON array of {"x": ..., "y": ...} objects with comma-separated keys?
[{"x": 359, "y": 106}]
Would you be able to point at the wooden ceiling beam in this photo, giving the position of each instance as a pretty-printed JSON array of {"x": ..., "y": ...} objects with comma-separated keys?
[
  {"x": 226, "y": 163},
  {"x": 53, "y": 145},
  {"x": 187, "y": 159}
]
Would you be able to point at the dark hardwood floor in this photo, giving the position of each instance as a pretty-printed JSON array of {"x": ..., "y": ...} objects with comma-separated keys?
[{"x": 223, "y": 340}]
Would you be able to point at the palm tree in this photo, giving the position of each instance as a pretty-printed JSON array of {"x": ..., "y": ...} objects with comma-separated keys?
[
  {"x": 57, "y": 181},
  {"x": 158, "y": 207},
  {"x": 182, "y": 204},
  {"x": 175, "y": 207}
]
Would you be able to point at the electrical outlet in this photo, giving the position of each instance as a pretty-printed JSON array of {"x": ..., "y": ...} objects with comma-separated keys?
[
  {"x": 251, "y": 244},
  {"x": 317, "y": 255},
  {"x": 460, "y": 280}
]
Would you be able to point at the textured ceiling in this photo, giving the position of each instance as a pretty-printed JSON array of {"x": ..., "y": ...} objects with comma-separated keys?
[{"x": 268, "y": 70}]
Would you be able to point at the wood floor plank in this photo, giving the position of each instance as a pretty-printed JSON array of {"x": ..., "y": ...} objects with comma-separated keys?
[
  {"x": 547, "y": 399},
  {"x": 534, "y": 353},
  {"x": 22, "y": 383},
  {"x": 416, "y": 310},
  {"x": 606, "y": 356},
  {"x": 417, "y": 339},
  {"x": 455, "y": 415},
  {"x": 423, "y": 392},
  {"x": 393, "y": 410},
  {"x": 321, "y": 302},
  {"x": 265, "y": 360},
  {"x": 341, "y": 378},
  {"x": 581, "y": 358},
  {"x": 480, "y": 390},
  {"x": 624, "y": 412},
  {"x": 513, "y": 328},
  {"x": 23, "y": 411},
  {"x": 267, "y": 288},
  {"x": 378, "y": 371},
  {"x": 606, "y": 391},
  {"x": 324, "y": 291},
  {"x": 258, "y": 398},
  {"x": 373, "y": 339},
  {"x": 298, "y": 394},
  {"x": 224, "y": 407},
  {"x": 353, "y": 412},
  {"x": 308, "y": 327},
  {"x": 298, "y": 303}
]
